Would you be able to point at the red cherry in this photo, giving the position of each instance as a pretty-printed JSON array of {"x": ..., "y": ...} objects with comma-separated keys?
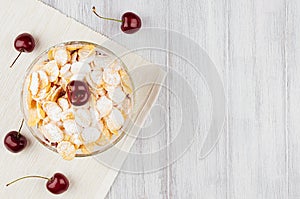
[
  {"x": 57, "y": 184},
  {"x": 14, "y": 141},
  {"x": 78, "y": 93},
  {"x": 131, "y": 22},
  {"x": 23, "y": 43}
]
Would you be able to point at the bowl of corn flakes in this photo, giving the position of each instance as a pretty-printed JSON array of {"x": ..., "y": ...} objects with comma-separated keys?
[{"x": 77, "y": 98}]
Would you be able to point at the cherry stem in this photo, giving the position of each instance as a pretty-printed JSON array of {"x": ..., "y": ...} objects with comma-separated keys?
[
  {"x": 16, "y": 58},
  {"x": 112, "y": 19},
  {"x": 20, "y": 128},
  {"x": 25, "y": 178}
]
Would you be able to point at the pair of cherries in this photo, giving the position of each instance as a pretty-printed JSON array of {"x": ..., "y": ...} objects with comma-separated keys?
[
  {"x": 131, "y": 23},
  {"x": 15, "y": 142}
]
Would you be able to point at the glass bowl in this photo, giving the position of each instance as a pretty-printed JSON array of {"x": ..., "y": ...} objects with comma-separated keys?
[{"x": 108, "y": 57}]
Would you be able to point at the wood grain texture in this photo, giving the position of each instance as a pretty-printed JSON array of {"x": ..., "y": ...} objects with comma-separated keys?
[
  {"x": 293, "y": 96},
  {"x": 205, "y": 23},
  {"x": 255, "y": 45},
  {"x": 257, "y": 104}
]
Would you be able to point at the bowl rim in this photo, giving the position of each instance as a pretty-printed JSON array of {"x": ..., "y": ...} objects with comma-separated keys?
[{"x": 22, "y": 105}]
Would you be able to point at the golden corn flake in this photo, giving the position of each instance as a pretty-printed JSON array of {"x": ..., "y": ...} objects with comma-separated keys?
[
  {"x": 67, "y": 150},
  {"x": 74, "y": 47},
  {"x": 33, "y": 118},
  {"x": 62, "y": 56}
]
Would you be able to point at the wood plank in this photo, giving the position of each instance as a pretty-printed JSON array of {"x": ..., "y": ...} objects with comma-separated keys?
[
  {"x": 205, "y": 23},
  {"x": 256, "y": 81},
  {"x": 293, "y": 96}
]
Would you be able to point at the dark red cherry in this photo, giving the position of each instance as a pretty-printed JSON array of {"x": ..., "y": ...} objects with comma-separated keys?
[
  {"x": 23, "y": 43},
  {"x": 131, "y": 22},
  {"x": 14, "y": 141},
  {"x": 78, "y": 93},
  {"x": 57, "y": 184}
]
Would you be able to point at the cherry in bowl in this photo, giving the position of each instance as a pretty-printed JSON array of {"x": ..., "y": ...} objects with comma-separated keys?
[{"x": 78, "y": 93}]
